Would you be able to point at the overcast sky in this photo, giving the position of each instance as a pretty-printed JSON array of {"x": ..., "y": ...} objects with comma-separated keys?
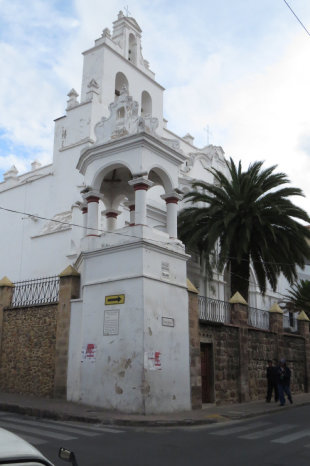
[{"x": 241, "y": 67}]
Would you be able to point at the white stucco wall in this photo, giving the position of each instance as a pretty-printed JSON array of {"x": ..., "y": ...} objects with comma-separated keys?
[{"x": 120, "y": 377}]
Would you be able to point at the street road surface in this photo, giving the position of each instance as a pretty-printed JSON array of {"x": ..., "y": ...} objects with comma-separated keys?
[{"x": 281, "y": 439}]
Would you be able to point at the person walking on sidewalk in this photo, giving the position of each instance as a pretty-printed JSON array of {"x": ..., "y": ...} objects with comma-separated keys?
[
  {"x": 272, "y": 382},
  {"x": 284, "y": 379}
]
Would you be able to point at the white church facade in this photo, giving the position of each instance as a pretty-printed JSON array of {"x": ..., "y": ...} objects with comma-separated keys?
[
  {"x": 107, "y": 205},
  {"x": 44, "y": 236},
  {"x": 119, "y": 98}
]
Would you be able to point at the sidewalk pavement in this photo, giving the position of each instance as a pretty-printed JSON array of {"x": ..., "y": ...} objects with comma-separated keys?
[{"x": 210, "y": 413}]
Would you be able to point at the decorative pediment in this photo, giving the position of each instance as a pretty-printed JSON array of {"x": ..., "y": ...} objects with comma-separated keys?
[
  {"x": 206, "y": 156},
  {"x": 215, "y": 152},
  {"x": 60, "y": 222},
  {"x": 124, "y": 120}
]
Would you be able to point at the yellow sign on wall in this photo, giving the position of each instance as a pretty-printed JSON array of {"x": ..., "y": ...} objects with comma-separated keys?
[{"x": 114, "y": 299}]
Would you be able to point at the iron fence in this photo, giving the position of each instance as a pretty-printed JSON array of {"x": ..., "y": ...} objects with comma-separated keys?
[
  {"x": 37, "y": 291},
  {"x": 214, "y": 310},
  {"x": 290, "y": 323},
  {"x": 258, "y": 318}
]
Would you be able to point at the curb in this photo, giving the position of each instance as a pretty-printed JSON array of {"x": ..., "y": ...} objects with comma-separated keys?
[
  {"x": 49, "y": 414},
  {"x": 213, "y": 418}
]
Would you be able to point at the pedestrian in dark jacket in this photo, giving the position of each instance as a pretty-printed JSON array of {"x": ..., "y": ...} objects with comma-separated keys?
[
  {"x": 284, "y": 379},
  {"x": 272, "y": 382}
]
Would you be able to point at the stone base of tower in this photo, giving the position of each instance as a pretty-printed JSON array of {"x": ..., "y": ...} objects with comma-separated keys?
[{"x": 129, "y": 335}]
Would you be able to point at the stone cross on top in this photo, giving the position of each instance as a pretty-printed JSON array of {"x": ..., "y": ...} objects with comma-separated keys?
[{"x": 127, "y": 10}]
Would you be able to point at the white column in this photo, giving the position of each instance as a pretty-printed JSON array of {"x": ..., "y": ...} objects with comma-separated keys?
[
  {"x": 172, "y": 213},
  {"x": 111, "y": 216},
  {"x": 130, "y": 204},
  {"x": 140, "y": 185},
  {"x": 84, "y": 214},
  {"x": 92, "y": 214},
  {"x": 132, "y": 209}
]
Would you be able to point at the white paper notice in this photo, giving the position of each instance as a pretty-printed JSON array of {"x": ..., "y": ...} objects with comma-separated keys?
[
  {"x": 152, "y": 360},
  {"x": 89, "y": 352},
  {"x": 111, "y": 322}
]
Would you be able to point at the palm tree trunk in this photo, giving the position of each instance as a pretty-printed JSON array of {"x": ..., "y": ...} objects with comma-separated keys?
[{"x": 240, "y": 276}]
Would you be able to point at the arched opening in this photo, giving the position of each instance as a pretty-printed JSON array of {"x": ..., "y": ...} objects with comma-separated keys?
[
  {"x": 120, "y": 113},
  {"x": 132, "y": 49},
  {"x": 146, "y": 104},
  {"x": 120, "y": 81},
  {"x": 115, "y": 189},
  {"x": 156, "y": 205}
]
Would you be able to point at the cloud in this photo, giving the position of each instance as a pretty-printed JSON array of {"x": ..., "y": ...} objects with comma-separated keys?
[
  {"x": 31, "y": 93},
  {"x": 229, "y": 65}
]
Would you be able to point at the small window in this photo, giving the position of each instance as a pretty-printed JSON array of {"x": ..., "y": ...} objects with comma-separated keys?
[
  {"x": 146, "y": 104},
  {"x": 120, "y": 82},
  {"x": 121, "y": 113},
  {"x": 132, "y": 49}
]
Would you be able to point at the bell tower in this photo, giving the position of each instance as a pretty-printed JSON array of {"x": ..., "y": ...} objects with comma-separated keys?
[
  {"x": 129, "y": 332},
  {"x": 127, "y": 34}
]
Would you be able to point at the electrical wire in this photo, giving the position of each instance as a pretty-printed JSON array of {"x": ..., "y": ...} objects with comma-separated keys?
[
  {"x": 119, "y": 233},
  {"x": 133, "y": 236},
  {"x": 75, "y": 224},
  {"x": 297, "y": 18}
]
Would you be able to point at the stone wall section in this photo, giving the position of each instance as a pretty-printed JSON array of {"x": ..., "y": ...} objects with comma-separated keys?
[
  {"x": 225, "y": 360},
  {"x": 34, "y": 341},
  {"x": 261, "y": 348},
  {"x": 240, "y": 355},
  {"x": 294, "y": 352},
  {"x": 194, "y": 346},
  {"x": 28, "y": 350}
]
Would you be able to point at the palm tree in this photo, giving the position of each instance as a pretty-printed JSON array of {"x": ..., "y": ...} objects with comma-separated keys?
[
  {"x": 299, "y": 295},
  {"x": 248, "y": 217}
]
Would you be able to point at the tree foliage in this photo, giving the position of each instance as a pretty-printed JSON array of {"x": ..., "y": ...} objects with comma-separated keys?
[
  {"x": 248, "y": 216},
  {"x": 299, "y": 295}
]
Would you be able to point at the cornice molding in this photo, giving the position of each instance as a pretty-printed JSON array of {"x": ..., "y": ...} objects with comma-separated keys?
[{"x": 127, "y": 143}]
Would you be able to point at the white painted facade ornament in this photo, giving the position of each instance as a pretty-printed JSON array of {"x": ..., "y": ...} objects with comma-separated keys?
[
  {"x": 72, "y": 101},
  {"x": 93, "y": 87},
  {"x": 11, "y": 173},
  {"x": 35, "y": 165},
  {"x": 106, "y": 33},
  {"x": 124, "y": 120}
]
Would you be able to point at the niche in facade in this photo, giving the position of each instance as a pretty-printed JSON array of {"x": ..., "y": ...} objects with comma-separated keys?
[
  {"x": 132, "y": 49},
  {"x": 120, "y": 113},
  {"x": 120, "y": 81},
  {"x": 146, "y": 104}
]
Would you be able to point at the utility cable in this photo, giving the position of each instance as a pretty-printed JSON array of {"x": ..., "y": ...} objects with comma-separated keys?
[
  {"x": 119, "y": 233},
  {"x": 297, "y": 18}
]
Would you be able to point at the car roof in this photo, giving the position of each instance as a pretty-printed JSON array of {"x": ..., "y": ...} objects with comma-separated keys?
[{"x": 14, "y": 447}]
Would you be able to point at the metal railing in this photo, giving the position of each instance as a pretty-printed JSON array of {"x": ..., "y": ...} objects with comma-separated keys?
[
  {"x": 214, "y": 310},
  {"x": 290, "y": 323},
  {"x": 258, "y": 318},
  {"x": 37, "y": 291}
]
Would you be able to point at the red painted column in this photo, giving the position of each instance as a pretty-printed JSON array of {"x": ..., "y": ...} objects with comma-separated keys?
[
  {"x": 111, "y": 216},
  {"x": 92, "y": 214},
  {"x": 172, "y": 213},
  {"x": 140, "y": 185}
]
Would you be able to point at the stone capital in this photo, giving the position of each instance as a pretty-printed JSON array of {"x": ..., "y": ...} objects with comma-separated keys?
[
  {"x": 6, "y": 282},
  {"x": 69, "y": 272},
  {"x": 172, "y": 198},
  {"x": 302, "y": 316},
  {"x": 237, "y": 299},
  {"x": 111, "y": 213},
  {"x": 275, "y": 308},
  {"x": 130, "y": 204},
  {"x": 92, "y": 196},
  {"x": 141, "y": 183}
]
